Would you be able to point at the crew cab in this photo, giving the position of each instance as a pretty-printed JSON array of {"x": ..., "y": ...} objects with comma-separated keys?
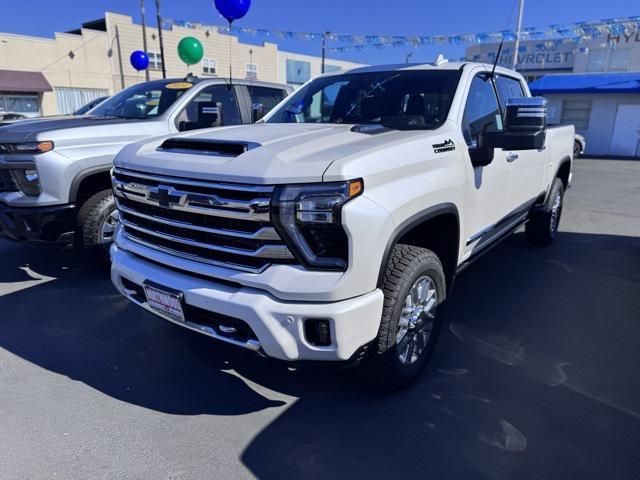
[
  {"x": 333, "y": 229},
  {"x": 54, "y": 171}
]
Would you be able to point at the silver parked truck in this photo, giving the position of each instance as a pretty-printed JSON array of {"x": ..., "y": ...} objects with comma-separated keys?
[{"x": 54, "y": 171}]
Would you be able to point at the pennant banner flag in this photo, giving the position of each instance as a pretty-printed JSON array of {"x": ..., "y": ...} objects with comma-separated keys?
[{"x": 559, "y": 34}]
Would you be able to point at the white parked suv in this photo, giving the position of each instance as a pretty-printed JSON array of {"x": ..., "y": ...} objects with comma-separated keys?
[{"x": 333, "y": 229}]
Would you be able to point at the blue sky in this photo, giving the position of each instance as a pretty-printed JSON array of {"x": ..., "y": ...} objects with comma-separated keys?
[{"x": 378, "y": 17}]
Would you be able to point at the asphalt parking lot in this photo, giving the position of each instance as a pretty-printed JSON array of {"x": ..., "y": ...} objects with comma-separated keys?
[{"x": 537, "y": 375}]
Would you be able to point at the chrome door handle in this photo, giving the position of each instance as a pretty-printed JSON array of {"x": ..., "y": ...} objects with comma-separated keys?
[{"x": 511, "y": 156}]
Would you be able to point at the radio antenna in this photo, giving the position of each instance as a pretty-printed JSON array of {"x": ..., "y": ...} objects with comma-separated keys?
[{"x": 495, "y": 63}]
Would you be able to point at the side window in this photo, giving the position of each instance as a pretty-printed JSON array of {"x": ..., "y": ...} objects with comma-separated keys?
[
  {"x": 481, "y": 113},
  {"x": 508, "y": 88},
  {"x": 197, "y": 113},
  {"x": 268, "y": 97}
]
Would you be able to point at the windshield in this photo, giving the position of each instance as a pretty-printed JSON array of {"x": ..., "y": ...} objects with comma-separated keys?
[
  {"x": 143, "y": 101},
  {"x": 400, "y": 99}
]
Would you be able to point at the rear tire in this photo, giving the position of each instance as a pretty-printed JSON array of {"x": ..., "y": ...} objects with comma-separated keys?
[
  {"x": 542, "y": 227},
  {"x": 414, "y": 290},
  {"x": 577, "y": 149},
  {"x": 95, "y": 224}
]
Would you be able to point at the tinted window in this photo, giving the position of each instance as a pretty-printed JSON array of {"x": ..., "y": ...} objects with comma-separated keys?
[
  {"x": 508, "y": 88},
  {"x": 145, "y": 100},
  {"x": 268, "y": 97},
  {"x": 481, "y": 113},
  {"x": 399, "y": 99},
  {"x": 225, "y": 99}
]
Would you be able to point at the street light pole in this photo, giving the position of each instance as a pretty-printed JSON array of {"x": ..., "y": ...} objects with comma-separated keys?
[
  {"x": 518, "y": 29},
  {"x": 159, "y": 19},
  {"x": 408, "y": 57},
  {"x": 144, "y": 36}
]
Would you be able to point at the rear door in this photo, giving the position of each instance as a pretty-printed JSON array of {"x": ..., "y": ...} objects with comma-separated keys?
[
  {"x": 263, "y": 99},
  {"x": 529, "y": 164},
  {"x": 488, "y": 202}
]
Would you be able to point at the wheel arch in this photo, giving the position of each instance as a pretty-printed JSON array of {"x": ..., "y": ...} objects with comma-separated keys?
[
  {"x": 564, "y": 171},
  {"x": 418, "y": 230},
  {"x": 89, "y": 182}
]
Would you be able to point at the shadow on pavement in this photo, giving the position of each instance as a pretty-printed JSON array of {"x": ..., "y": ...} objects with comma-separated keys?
[{"x": 536, "y": 376}]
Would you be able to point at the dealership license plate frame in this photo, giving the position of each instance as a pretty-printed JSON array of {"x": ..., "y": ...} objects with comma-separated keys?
[{"x": 165, "y": 301}]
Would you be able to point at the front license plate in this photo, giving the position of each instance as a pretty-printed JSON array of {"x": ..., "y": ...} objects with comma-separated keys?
[{"x": 164, "y": 300}]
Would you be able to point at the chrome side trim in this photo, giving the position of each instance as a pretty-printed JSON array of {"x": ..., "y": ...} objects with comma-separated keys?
[
  {"x": 266, "y": 251},
  {"x": 265, "y": 233},
  {"x": 250, "y": 344},
  {"x": 195, "y": 183}
]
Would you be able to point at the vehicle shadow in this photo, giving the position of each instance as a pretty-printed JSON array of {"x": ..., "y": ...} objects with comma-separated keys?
[{"x": 526, "y": 369}]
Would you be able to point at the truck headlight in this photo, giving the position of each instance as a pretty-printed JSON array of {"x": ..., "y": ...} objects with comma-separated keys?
[
  {"x": 27, "y": 147},
  {"x": 308, "y": 218},
  {"x": 27, "y": 181}
]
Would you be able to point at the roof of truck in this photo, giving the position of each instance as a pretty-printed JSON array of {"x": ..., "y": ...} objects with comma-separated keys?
[{"x": 422, "y": 66}]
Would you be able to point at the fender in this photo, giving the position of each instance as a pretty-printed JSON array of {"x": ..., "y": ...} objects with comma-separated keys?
[
  {"x": 75, "y": 184},
  {"x": 412, "y": 222}
]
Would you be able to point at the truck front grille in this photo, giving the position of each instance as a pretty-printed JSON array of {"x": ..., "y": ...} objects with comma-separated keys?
[{"x": 218, "y": 223}]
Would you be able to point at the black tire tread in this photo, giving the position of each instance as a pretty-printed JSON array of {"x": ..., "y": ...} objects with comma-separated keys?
[
  {"x": 404, "y": 263},
  {"x": 88, "y": 220},
  {"x": 537, "y": 228}
]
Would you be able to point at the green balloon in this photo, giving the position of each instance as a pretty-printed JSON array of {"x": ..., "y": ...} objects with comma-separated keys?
[{"x": 190, "y": 50}]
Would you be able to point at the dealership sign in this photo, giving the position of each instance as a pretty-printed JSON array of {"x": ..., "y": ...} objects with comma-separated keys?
[{"x": 531, "y": 55}]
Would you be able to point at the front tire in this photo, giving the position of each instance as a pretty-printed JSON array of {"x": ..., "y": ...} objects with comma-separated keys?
[
  {"x": 577, "y": 149},
  {"x": 96, "y": 223},
  {"x": 542, "y": 227},
  {"x": 414, "y": 291}
]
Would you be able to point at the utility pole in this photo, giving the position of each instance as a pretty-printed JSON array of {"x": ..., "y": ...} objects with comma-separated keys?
[
  {"x": 120, "y": 58},
  {"x": 159, "y": 19},
  {"x": 144, "y": 36},
  {"x": 325, "y": 35},
  {"x": 518, "y": 29}
]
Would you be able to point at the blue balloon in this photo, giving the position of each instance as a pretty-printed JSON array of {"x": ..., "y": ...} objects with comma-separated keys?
[
  {"x": 232, "y": 9},
  {"x": 139, "y": 60}
]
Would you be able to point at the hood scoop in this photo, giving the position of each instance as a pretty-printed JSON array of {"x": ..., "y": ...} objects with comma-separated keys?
[{"x": 217, "y": 148}]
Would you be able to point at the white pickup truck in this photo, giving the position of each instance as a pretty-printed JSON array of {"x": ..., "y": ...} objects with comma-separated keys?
[
  {"x": 55, "y": 185},
  {"x": 333, "y": 230}
]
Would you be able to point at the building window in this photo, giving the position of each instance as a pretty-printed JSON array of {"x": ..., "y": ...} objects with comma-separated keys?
[
  {"x": 619, "y": 59},
  {"x": 332, "y": 68},
  {"x": 208, "y": 66},
  {"x": 155, "y": 61},
  {"x": 251, "y": 71},
  {"x": 298, "y": 72},
  {"x": 71, "y": 99},
  {"x": 577, "y": 113},
  {"x": 27, "y": 105},
  {"x": 596, "y": 61}
]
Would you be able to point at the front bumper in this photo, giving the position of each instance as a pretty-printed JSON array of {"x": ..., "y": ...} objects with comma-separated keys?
[
  {"x": 278, "y": 326},
  {"x": 53, "y": 224}
]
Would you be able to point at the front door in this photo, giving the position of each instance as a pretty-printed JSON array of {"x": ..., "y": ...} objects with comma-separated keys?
[
  {"x": 489, "y": 191},
  {"x": 626, "y": 131}
]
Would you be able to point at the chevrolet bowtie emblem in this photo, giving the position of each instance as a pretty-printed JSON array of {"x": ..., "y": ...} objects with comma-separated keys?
[{"x": 165, "y": 196}]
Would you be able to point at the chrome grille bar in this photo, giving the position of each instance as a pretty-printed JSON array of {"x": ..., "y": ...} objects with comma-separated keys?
[
  {"x": 256, "y": 209},
  {"x": 266, "y": 251},
  {"x": 265, "y": 233},
  {"x": 196, "y": 183}
]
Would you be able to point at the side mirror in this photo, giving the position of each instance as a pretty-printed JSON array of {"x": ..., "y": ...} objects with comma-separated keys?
[
  {"x": 258, "y": 111},
  {"x": 480, "y": 157},
  {"x": 525, "y": 126}
]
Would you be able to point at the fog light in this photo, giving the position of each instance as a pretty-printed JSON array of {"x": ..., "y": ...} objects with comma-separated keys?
[{"x": 317, "y": 331}]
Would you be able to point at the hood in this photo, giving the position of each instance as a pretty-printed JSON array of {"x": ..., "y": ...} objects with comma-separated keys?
[
  {"x": 31, "y": 129},
  {"x": 278, "y": 153}
]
